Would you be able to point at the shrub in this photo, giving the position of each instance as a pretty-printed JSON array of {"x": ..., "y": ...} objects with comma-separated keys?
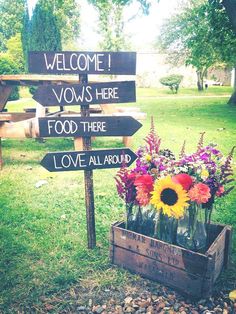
[
  {"x": 172, "y": 81},
  {"x": 32, "y": 89},
  {"x": 8, "y": 66}
]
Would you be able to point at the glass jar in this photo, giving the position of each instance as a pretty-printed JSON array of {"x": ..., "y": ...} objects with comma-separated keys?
[
  {"x": 192, "y": 231},
  {"x": 166, "y": 228},
  {"x": 141, "y": 219}
]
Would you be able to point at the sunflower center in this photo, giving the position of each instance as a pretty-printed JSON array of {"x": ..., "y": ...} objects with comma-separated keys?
[{"x": 169, "y": 196}]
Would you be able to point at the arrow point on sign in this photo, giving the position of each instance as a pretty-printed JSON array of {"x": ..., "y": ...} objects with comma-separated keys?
[{"x": 133, "y": 156}]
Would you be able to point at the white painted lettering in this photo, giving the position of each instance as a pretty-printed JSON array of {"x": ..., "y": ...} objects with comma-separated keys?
[
  {"x": 49, "y": 66},
  {"x": 55, "y": 163}
]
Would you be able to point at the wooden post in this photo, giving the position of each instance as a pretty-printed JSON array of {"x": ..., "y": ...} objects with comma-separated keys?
[{"x": 88, "y": 178}]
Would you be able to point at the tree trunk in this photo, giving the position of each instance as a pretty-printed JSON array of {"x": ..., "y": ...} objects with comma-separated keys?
[
  {"x": 230, "y": 7},
  {"x": 232, "y": 100},
  {"x": 199, "y": 81}
]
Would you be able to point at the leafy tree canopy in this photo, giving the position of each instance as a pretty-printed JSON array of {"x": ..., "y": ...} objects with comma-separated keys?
[
  {"x": 11, "y": 18},
  {"x": 189, "y": 37},
  {"x": 111, "y": 23},
  {"x": 67, "y": 13},
  {"x": 44, "y": 33}
]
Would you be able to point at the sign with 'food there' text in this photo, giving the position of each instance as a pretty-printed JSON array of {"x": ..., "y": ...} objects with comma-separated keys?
[
  {"x": 88, "y": 126},
  {"x": 72, "y": 62}
]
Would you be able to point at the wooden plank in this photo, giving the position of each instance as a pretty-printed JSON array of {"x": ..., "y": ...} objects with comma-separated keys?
[
  {"x": 5, "y": 92},
  {"x": 26, "y": 79},
  {"x": 20, "y": 129},
  {"x": 85, "y": 62},
  {"x": 127, "y": 141},
  {"x": 228, "y": 246},
  {"x": 219, "y": 264},
  {"x": 21, "y": 116},
  {"x": 218, "y": 244},
  {"x": 172, "y": 255},
  {"x": 155, "y": 270},
  {"x": 5, "y": 117},
  {"x": 89, "y": 93}
]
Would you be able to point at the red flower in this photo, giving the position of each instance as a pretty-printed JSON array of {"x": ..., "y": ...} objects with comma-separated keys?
[
  {"x": 144, "y": 185},
  {"x": 199, "y": 193},
  {"x": 183, "y": 179},
  {"x": 220, "y": 191}
]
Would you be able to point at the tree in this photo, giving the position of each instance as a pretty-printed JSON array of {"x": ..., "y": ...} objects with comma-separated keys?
[
  {"x": 111, "y": 22},
  {"x": 172, "y": 81},
  {"x": 223, "y": 20},
  {"x": 8, "y": 66},
  {"x": 44, "y": 33},
  {"x": 187, "y": 38},
  {"x": 15, "y": 52},
  {"x": 67, "y": 14},
  {"x": 25, "y": 36},
  {"x": 230, "y": 7},
  {"x": 11, "y": 19}
]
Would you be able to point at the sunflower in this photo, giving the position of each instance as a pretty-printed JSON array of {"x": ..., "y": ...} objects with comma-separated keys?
[{"x": 169, "y": 197}]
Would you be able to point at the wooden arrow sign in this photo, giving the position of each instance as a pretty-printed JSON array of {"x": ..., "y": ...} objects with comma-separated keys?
[
  {"x": 88, "y": 160},
  {"x": 73, "y": 62},
  {"x": 88, "y": 126},
  {"x": 82, "y": 94}
]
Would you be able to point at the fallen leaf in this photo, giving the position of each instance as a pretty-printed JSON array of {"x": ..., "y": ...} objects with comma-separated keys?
[{"x": 40, "y": 183}]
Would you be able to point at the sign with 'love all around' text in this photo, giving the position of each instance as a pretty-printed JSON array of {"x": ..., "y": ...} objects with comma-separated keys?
[
  {"x": 81, "y": 94},
  {"x": 72, "y": 62},
  {"x": 87, "y": 126},
  {"x": 88, "y": 160}
]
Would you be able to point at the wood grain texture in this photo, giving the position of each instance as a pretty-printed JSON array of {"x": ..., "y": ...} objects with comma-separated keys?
[
  {"x": 155, "y": 270},
  {"x": 190, "y": 272}
]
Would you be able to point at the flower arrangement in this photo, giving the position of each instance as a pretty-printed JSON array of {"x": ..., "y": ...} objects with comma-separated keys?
[{"x": 172, "y": 198}]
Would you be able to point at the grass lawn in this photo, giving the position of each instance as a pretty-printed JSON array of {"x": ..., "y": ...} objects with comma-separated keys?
[{"x": 43, "y": 230}]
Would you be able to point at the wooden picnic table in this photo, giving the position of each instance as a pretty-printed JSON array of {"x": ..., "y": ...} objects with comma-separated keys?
[{"x": 7, "y": 82}]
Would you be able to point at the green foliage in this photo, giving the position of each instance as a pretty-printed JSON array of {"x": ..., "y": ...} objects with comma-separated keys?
[
  {"x": 111, "y": 22},
  {"x": 14, "y": 49},
  {"x": 189, "y": 38},
  {"x": 172, "y": 81},
  {"x": 25, "y": 37},
  {"x": 111, "y": 25},
  {"x": 8, "y": 66},
  {"x": 44, "y": 33},
  {"x": 44, "y": 257},
  {"x": 32, "y": 89},
  {"x": 11, "y": 19},
  {"x": 67, "y": 14}
]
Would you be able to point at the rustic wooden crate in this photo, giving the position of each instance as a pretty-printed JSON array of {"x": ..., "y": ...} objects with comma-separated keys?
[{"x": 189, "y": 272}]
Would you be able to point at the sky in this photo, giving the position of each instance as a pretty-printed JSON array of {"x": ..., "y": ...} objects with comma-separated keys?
[{"x": 141, "y": 31}]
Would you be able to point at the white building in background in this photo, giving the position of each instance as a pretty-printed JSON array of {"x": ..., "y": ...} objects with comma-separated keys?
[{"x": 152, "y": 66}]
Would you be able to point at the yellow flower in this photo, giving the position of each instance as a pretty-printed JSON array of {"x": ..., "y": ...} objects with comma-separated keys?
[
  {"x": 148, "y": 157},
  {"x": 204, "y": 174},
  {"x": 232, "y": 295},
  {"x": 169, "y": 197}
]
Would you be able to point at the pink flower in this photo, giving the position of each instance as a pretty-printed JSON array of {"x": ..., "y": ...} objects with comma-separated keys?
[
  {"x": 220, "y": 191},
  {"x": 199, "y": 193},
  {"x": 144, "y": 185},
  {"x": 183, "y": 179}
]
